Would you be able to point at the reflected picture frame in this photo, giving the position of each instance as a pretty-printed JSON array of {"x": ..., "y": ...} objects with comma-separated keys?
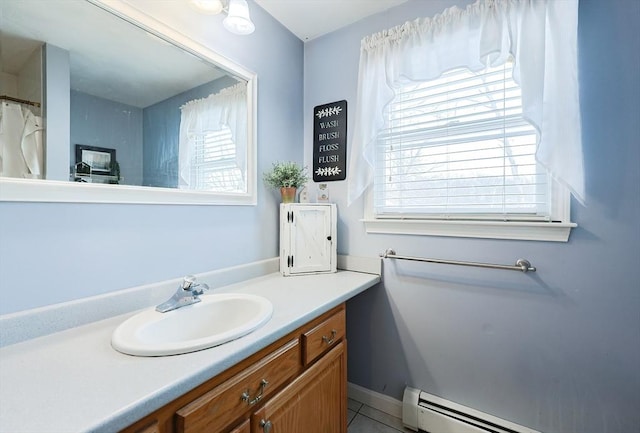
[{"x": 100, "y": 159}]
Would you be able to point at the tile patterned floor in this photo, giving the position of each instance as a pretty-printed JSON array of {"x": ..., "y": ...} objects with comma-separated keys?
[{"x": 365, "y": 419}]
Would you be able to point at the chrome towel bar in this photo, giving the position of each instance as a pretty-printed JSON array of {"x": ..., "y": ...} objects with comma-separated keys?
[{"x": 521, "y": 265}]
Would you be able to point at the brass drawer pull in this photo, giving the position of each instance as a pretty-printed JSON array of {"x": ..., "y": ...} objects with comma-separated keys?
[
  {"x": 247, "y": 397},
  {"x": 329, "y": 340}
]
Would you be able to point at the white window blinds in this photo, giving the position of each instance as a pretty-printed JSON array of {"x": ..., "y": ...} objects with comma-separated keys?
[
  {"x": 459, "y": 147},
  {"x": 213, "y": 165}
]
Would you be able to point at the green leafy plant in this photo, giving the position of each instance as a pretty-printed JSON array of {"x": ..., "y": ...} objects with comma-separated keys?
[{"x": 286, "y": 175}]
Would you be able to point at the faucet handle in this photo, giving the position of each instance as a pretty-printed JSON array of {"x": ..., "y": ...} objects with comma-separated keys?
[
  {"x": 201, "y": 288},
  {"x": 189, "y": 285},
  {"x": 188, "y": 281}
]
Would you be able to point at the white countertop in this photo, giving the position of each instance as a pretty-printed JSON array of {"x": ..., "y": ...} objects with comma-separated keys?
[{"x": 74, "y": 381}]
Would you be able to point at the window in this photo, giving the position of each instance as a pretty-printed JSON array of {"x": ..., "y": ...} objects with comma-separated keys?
[
  {"x": 458, "y": 147},
  {"x": 213, "y": 144},
  {"x": 468, "y": 123},
  {"x": 213, "y": 165}
]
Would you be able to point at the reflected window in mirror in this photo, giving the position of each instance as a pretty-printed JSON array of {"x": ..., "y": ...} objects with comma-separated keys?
[{"x": 213, "y": 135}]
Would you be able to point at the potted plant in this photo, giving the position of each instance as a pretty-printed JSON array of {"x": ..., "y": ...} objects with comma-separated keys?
[{"x": 288, "y": 177}]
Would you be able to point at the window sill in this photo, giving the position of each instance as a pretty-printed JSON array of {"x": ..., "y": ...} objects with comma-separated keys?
[{"x": 517, "y": 230}]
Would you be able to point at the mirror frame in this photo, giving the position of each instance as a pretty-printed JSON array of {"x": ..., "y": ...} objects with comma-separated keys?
[{"x": 31, "y": 190}]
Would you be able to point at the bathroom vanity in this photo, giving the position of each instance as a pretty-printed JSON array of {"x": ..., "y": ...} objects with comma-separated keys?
[
  {"x": 297, "y": 384},
  {"x": 287, "y": 376}
]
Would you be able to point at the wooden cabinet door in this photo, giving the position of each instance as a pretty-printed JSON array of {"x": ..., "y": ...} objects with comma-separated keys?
[{"x": 316, "y": 402}]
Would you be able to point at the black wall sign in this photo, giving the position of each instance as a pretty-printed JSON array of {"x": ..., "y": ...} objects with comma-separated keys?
[{"x": 330, "y": 142}]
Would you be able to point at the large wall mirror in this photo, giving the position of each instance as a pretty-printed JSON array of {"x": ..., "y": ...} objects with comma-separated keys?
[{"x": 102, "y": 103}]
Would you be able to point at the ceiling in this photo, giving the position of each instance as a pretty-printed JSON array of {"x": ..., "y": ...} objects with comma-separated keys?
[{"x": 309, "y": 19}]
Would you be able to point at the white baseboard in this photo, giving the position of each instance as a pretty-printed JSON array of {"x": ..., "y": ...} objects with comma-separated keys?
[{"x": 373, "y": 399}]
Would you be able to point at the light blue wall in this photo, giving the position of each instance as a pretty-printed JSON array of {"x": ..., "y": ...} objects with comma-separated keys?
[
  {"x": 557, "y": 350},
  {"x": 52, "y": 253},
  {"x": 56, "y": 96},
  {"x": 100, "y": 122},
  {"x": 162, "y": 131}
]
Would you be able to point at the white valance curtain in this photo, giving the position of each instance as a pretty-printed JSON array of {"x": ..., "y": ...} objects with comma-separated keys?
[
  {"x": 227, "y": 108},
  {"x": 540, "y": 35}
]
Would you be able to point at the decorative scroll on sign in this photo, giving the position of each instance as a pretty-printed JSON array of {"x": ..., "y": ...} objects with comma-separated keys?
[{"x": 330, "y": 142}]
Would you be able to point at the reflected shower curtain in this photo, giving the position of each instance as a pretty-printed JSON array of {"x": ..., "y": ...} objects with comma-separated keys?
[{"x": 21, "y": 145}]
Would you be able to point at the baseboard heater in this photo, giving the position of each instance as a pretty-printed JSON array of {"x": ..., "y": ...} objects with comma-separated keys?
[{"x": 422, "y": 411}]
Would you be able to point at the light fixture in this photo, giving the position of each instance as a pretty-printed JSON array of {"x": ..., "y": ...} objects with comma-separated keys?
[
  {"x": 212, "y": 7},
  {"x": 237, "y": 20}
]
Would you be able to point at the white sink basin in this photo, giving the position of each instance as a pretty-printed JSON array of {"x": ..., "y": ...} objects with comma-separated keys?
[{"x": 217, "y": 319}]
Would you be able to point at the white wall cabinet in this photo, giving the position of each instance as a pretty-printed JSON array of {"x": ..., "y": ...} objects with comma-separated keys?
[{"x": 308, "y": 238}]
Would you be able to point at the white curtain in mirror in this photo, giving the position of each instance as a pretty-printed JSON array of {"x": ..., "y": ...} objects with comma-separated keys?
[
  {"x": 213, "y": 142},
  {"x": 21, "y": 149}
]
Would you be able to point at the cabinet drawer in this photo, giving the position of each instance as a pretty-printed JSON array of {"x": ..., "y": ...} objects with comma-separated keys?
[
  {"x": 324, "y": 336},
  {"x": 227, "y": 402},
  {"x": 245, "y": 427},
  {"x": 151, "y": 428}
]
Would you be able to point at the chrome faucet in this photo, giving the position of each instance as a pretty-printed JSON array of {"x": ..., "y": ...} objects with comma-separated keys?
[{"x": 186, "y": 294}]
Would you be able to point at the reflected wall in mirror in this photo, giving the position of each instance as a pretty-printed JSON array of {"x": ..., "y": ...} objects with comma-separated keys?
[{"x": 172, "y": 113}]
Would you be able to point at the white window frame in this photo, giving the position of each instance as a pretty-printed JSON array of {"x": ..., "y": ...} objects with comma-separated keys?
[{"x": 557, "y": 228}]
